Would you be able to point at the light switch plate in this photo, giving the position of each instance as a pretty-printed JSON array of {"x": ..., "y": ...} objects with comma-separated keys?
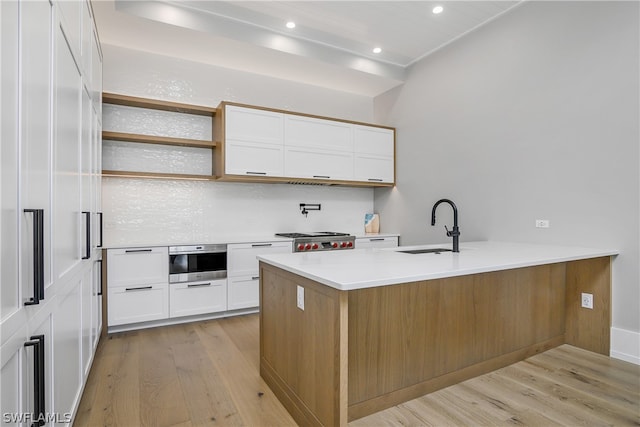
[{"x": 300, "y": 292}]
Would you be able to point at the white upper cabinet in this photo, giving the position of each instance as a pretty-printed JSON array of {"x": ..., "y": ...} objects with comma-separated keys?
[
  {"x": 318, "y": 148},
  {"x": 310, "y": 132},
  {"x": 374, "y": 149},
  {"x": 71, "y": 17},
  {"x": 276, "y": 146},
  {"x": 318, "y": 164},
  {"x": 66, "y": 159},
  {"x": 254, "y": 141},
  {"x": 373, "y": 140},
  {"x": 254, "y": 125},
  {"x": 10, "y": 303}
]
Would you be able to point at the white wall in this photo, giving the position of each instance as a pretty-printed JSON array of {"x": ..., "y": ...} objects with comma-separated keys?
[
  {"x": 139, "y": 211},
  {"x": 534, "y": 116}
]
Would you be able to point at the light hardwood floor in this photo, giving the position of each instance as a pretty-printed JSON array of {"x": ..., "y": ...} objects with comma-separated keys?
[{"x": 207, "y": 373}]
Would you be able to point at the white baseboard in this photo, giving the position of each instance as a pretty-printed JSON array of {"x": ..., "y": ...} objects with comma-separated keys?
[{"x": 625, "y": 345}]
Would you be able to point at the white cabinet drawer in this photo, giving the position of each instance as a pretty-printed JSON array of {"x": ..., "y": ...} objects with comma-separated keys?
[
  {"x": 309, "y": 132},
  {"x": 241, "y": 257},
  {"x": 138, "y": 304},
  {"x": 254, "y": 125},
  {"x": 137, "y": 266},
  {"x": 243, "y": 292},
  {"x": 376, "y": 242},
  {"x": 192, "y": 298},
  {"x": 252, "y": 159},
  {"x": 318, "y": 164},
  {"x": 373, "y": 168}
]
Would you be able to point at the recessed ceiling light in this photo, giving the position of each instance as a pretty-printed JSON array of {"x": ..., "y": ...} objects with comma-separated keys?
[
  {"x": 438, "y": 9},
  {"x": 377, "y": 50},
  {"x": 291, "y": 24}
]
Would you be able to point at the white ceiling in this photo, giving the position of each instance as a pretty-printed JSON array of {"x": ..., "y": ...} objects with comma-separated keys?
[{"x": 331, "y": 45}]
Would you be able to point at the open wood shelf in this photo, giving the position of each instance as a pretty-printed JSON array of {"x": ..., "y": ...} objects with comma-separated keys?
[
  {"x": 156, "y": 104},
  {"x": 157, "y": 175},
  {"x": 153, "y": 139}
]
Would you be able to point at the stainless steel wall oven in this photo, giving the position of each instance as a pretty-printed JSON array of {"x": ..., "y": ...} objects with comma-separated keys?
[{"x": 197, "y": 262}]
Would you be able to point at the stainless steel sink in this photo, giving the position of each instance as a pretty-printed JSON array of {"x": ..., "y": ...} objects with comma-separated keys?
[{"x": 426, "y": 251}]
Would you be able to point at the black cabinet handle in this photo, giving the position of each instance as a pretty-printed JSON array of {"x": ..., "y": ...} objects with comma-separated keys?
[
  {"x": 255, "y": 277},
  {"x": 133, "y": 251},
  {"x": 100, "y": 228},
  {"x": 321, "y": 176},
  {"x": 376, "y": 240},
  {"x": 142, "y": 288},
  {"x": 100, "y": 273},
  {"x": 261, "y": 245},
  {"x": 38, "y": 256},
  {"x": 198, "y": 285},
  {"x": 87, "y": 238},
  {"x": 374, "y": 179},
  {"x": 37, "y": 342},
  {"x": 255, "y": 173}
]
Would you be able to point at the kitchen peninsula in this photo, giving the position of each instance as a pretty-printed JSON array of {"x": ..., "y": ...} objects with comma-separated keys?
[{"x": 344, "y": 335}]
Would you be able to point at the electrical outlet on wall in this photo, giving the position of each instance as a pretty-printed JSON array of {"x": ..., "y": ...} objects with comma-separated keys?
[
  {"x": 587, "y": 300},
  {"x": 542, "y": 223}
]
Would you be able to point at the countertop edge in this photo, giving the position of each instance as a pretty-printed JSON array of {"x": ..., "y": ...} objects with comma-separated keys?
[{"x": 347, "y": 286}]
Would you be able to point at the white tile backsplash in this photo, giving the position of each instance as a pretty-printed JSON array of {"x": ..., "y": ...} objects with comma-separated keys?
[
  {"x": 149, "y": 211},
  {"x": 139, "y": 157},
  {"x": 121, "y": 118}
]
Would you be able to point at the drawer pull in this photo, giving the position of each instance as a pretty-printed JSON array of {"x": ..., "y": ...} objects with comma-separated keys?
[
  {"x": 255, "y": 173},
  {"x": 374, "y": 179},
  {"x": 142, "y": 288},
  {"x": 132, "y": 251},
  {"x": 198, "y": 285},
  {"x": 261, "y": 245},
  {"x": 322, "y": 176},
  {"x": 376, "y": 240},
  {"x": 255, "y": 277}
]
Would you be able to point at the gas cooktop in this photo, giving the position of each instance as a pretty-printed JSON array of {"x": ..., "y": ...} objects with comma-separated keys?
[
  {"x": 316, "y": 234},
  {"x": 320, "y": 241}
]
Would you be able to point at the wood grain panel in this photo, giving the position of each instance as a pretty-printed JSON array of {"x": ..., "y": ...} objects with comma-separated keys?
[
  {"x": 156, "y": 104},
  {"x": 303, "y": 354},
  {"x": 406, "y": 334},
  {"x": 586, "y": 328},
  {"x": 154, "y": 139}
]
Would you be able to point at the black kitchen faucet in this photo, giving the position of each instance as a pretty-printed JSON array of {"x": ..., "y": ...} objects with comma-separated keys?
[{"x": 455, "y": 233}]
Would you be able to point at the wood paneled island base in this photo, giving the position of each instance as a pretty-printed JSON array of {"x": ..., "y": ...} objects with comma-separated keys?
[{"x": 352, "y": 353}]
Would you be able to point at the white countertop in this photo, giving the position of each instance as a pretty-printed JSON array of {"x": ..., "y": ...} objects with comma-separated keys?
[
  {"x": 366, "y": 268},
  {"x": 222, "y": 239}
]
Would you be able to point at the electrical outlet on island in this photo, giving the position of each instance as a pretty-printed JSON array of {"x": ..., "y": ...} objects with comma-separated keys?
[{"x": 587, "y": 300}]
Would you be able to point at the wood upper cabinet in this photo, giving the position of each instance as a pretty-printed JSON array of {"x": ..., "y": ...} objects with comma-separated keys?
[{"x": 264, "y": 145}]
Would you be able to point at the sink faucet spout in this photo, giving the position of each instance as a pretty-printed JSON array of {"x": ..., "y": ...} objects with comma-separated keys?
[{"x": 455, "y": 232}]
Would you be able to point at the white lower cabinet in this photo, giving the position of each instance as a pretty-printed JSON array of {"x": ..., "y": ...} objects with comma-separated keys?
[
  {"x": 244, "y": 292},
  {"x": 138, "y": 303},
  {"x": 376, "y": 242},
  {"x": 243, "y": 279},
  {"x": 191, "y": 298},
  {"x": 135, "y": 266}
]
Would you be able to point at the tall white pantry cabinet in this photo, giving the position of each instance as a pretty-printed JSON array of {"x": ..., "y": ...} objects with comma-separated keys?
[{"x": 50, "y": 220}]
